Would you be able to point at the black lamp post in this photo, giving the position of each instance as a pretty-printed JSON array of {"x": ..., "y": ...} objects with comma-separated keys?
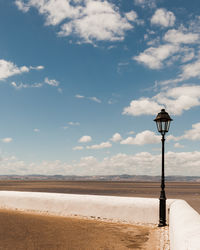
[{"x": 163, "y": 122}]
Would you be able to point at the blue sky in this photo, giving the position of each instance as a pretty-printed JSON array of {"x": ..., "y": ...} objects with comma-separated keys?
[{"x": 81, "y": 82}]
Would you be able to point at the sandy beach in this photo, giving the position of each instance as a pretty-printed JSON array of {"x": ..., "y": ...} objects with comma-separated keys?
[{"x": 26, "y": 231}]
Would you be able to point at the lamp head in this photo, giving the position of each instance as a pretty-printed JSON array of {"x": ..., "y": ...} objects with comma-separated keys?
[{"x": 163, "y": 121}]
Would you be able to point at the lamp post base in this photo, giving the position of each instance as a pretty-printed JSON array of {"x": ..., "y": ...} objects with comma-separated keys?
[
  {"x": 162, "y": 224},
  {"x": 162, "y": 220}
]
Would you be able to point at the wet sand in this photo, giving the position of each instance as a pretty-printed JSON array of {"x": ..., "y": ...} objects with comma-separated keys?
[
  {"x": 175, "y": 190},
  {"x": 25, "y": 231}
]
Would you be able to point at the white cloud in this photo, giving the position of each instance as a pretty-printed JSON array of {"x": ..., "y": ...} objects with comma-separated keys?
[
  {"x": 131, "y": 16},
  {"x": 65, "y": 127},
  {"x": 22, "y": 6},
  {"x": 95, "y": 99},
  {"x": 98, "y": 21},
  {"x": 194, "y": 23},
  {"x": 178, "y": 145},
  {"x": 85, "y": 138},
  {"x": 25, "y": 86},
  {"x": 172, "y": 138},
  {"x": 40, "y": 67},
  {"x": 187, "y": 162},
  {"x": 145, "y": 3},
  {"x": 152, "y": 42},
  {"x": 116, "y": 137},
  {"x": 121, "y": 64},
  {"x": 74, "y": 123},
  {"x": 192, "y": 134},
  {"x": 36, "y": 130},
  {"x": 186, "y": 41},
  {"x": 177, "y": 36},
  {"x": 163, "y": 18},
  {"x": 188, "y": 54},
  {"x": 144, "y": 163},
  {"x": 78, "y": 148},
  {"x": 51, "y": 82},
  {"x": 54, "y": 11},
  {"x": 100, "y": 146},
  {"x": 142, "y": 106},
  {"x": 177, "y": 48},
  {"x": 89, "y": 20},
  {"x": 17, "y": 86},
  {"x": 182, "y": 98},
  {"x": 189, "y": 70},
  {"x": 7, "y": 139},
  {"x": 131, "y": 133},
  {"x": 79, "y": 96},
  {"x": 8, "y": 69},
  {"x": 145, "y": 137},
  {"x": 153, "y": 57}
]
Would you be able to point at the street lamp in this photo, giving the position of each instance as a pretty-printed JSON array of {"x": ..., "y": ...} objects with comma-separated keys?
[{"x": 163, "y": 122}]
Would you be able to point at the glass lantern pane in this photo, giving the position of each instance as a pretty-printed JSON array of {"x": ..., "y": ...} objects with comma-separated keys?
[
  {"x": 168, "y": 124},
  {"x": 163, "y": 126},
  {"x": 158, "y": 123}
]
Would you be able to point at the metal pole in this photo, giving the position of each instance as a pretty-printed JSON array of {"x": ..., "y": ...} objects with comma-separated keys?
[{"x": 162, "y": 221}]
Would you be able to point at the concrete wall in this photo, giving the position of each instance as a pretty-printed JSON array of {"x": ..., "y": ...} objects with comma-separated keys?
[
  {"x": 184, "y": 226},
  {"x": 127, "y": 209}
]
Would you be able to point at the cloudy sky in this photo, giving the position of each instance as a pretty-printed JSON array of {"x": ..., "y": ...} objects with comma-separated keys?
[{"x": 82, "y": 80}]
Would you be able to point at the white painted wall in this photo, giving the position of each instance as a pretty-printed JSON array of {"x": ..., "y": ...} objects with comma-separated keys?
[
  {"x": 184, "y": 226},
  {"x": 127, "y": 209}
]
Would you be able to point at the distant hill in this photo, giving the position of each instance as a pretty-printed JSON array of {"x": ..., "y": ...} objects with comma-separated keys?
[{"x": 124, "y": 177}]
